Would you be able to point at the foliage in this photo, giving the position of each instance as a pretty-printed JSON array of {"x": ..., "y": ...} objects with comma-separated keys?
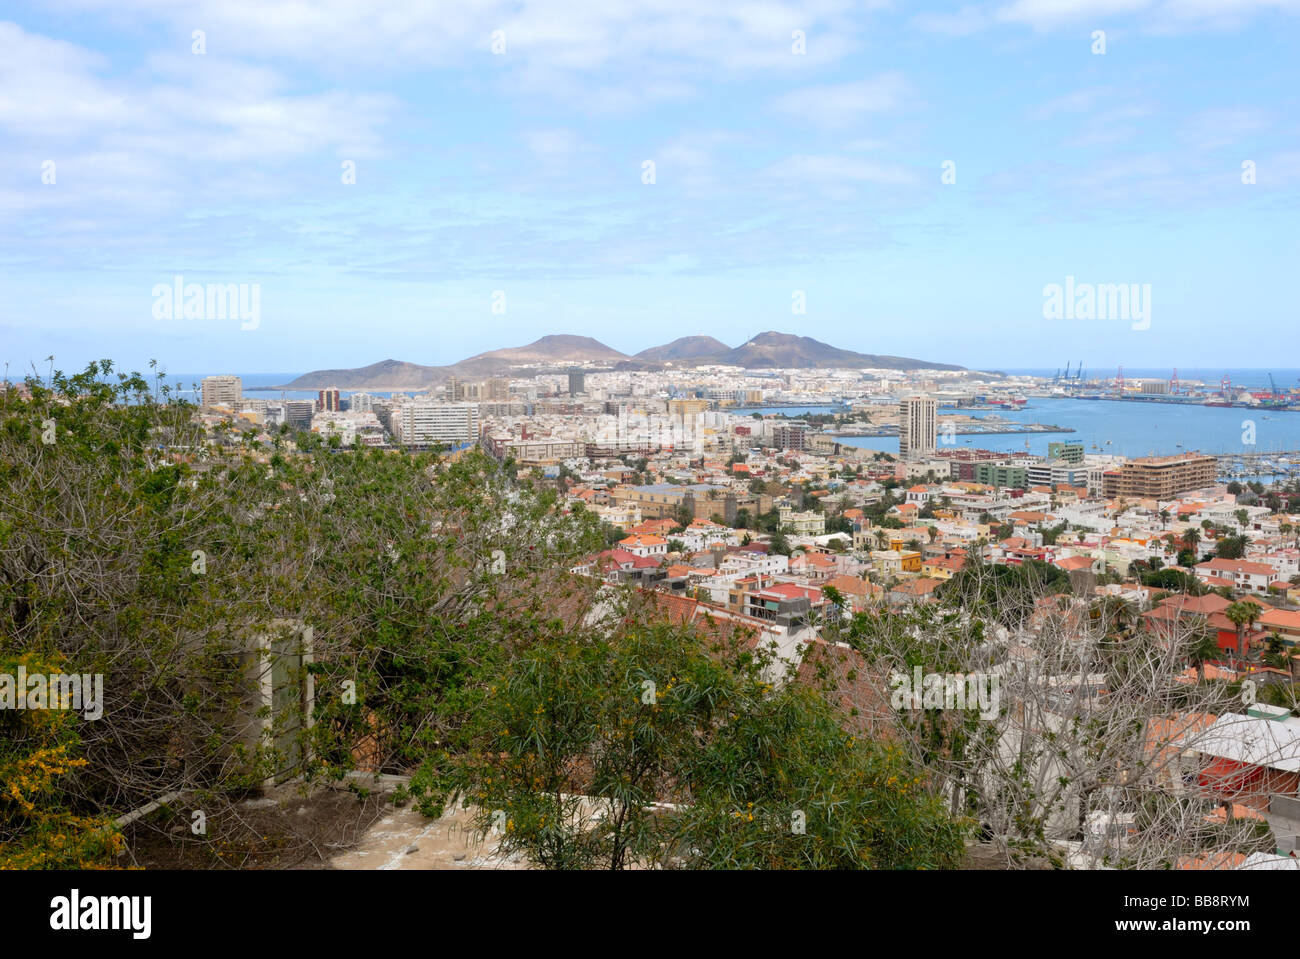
[
  {"x": 657, "y": 746},
  {"x": 38, "y": 755}
]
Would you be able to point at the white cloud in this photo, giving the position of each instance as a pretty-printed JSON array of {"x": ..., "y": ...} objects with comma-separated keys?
[
  {"x": 839, "y": 105},
  {"x": 815, "y": 169},
  {"x": 1048, "y": 14},
  {"x": 555, "y": 146},
  {"x": 966, "y": 20},
  {"x": 1223, "y": 127}
]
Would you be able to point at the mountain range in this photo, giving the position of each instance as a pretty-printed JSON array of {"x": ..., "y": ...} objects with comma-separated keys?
[{"x": 763, "y": 352}]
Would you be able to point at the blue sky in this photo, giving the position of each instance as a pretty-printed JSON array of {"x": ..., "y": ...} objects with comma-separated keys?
[{"x": 522, "y": 171}]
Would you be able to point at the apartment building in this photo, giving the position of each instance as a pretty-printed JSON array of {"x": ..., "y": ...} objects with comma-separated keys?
[
  {"x": 1160, "y": 477},
  {"x": 222, "y": 391},
  {"x": 446, "y": 423},
  {"x": 917, "y": 427},
  {"x": 687, "y": 406},
  {"x": 1252, "y": 577},
  {"x": 296, "y": 413},
  {"x": 994, "y": 474},
  {"x": 1070, "y": 452},
  {"x": 791, "y": 436},
  {"x": 1056, "y": 473}
]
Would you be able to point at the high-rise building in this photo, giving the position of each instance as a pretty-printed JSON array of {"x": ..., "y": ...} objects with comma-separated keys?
[
  {"x": 361, "y": 402},
  {"x": 299, "y": 413},
  {"x": 1160, "y": 477},
  {"x": 222, "y": 391},
  {"x": 917, "y": 427},
  {"x": 447, "y": 423},
  {"x": 496, "y": 389},
  {"x": 791, "y": 436},
  {"x": 327, "y": 401},
  {"x": 577, "y": 383}
]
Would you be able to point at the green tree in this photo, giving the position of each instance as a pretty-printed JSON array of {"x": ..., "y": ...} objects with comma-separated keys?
[
  {"x": 1202, "y": 648},
  {"x": 1242, "y": 615},
  {"x": 584, "y": 734}
]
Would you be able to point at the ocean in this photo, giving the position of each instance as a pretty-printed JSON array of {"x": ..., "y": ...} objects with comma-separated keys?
[{"x": 1132, "y": 429}]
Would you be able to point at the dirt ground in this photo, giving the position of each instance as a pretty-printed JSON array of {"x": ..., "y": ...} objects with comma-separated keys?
[
  {"x": 324, "y": 828},
  {"x": 281, "y": 829},
  {"x": 404, "y": 839}
]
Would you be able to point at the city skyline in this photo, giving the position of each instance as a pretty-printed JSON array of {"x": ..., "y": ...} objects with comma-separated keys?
[{"x": 458, "y": 180}]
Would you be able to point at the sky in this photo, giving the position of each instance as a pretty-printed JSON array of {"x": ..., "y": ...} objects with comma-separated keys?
[{"x": 425, "y": 181}]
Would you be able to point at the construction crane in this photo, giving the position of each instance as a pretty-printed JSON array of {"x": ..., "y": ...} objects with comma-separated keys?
[{"x": 1173, "y": 382}]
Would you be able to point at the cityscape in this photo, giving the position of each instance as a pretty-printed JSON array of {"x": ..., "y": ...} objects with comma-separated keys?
[{"x": 618, "y": 438}]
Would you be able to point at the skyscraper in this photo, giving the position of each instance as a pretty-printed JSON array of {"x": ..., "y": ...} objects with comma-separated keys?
[
  {"x": 447, "y": 423},
  {"x": 328, "y": 400},
  {"x": 917, "y": 427},
  {"x": 577, "y": 383},
  {"x": 222, "y": 391}
]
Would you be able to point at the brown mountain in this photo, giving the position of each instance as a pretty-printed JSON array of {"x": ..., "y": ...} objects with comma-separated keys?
[
  {"x": 786, "y": 351},
  {"x": 765, "y": 351},
  {"x": 391, "y": 374},
  {"x": 561, "y": 348},
  {"x": 684, "y": 348}
]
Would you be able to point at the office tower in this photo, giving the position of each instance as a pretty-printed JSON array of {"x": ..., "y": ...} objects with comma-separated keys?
[
  {"x": 577, "y": 383},
  {"x": 222, "y": 391},
  {"x": 917, "y": 427}
]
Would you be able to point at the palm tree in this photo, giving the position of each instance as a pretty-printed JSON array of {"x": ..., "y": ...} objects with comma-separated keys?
[
  {"x": 1203, "y": 648},
  {"x": 932, "y": 532},
  {"x": 1241, "y": 614},
  {"x": 881, "y": 538},
  {"x": 1243, "y": 518},
  {"x": 1116, "y": 614},
  {"x": 1164, "y": 519},
  {"x": 1252, "y": 614},
  {"x": 1191, "y": 538}
]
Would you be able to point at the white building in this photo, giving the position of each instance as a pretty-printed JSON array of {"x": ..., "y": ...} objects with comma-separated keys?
[
  {"x": 222, "y": 391},
  {"x": 917, "y": 427},
  {"x": 447, "y": 423}
]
